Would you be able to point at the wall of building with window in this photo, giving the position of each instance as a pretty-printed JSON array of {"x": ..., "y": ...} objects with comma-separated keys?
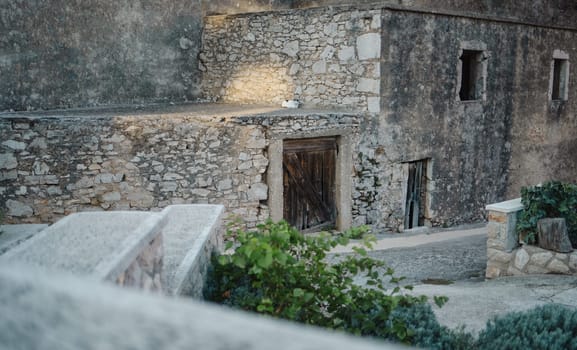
[{"x": 491, "y": 103}]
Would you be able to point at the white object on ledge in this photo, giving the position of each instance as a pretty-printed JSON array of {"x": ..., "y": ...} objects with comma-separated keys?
[{"x": 291, "y": 104}]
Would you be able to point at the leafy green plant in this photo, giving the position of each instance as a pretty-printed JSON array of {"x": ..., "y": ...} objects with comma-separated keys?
[
  {"x": 358, "y": 232},
  {"x": 552, "y": 199},
  {"x": 551, "y": 327},
  {"x": 278, "y": 271}
]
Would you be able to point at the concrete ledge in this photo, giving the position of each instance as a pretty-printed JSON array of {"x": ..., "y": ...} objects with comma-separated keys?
[
  {"x": 190, "y": 236},
  {"x": 511, "y": 206},
  {"x": 98, "y": 244},
  {"x": 60, "y": 311}
]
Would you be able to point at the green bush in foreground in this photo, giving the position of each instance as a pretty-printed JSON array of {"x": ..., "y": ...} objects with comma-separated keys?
[
  {"x": 428, "y": 333},
  {"x": 278, "y": 271},
  {"x": 550, "y": 327}
]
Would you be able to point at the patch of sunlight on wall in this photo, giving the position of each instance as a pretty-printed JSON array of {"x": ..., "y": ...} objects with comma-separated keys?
[{"x": 259, "y": 84}]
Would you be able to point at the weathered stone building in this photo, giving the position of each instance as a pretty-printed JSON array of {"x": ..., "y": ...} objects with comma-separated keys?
[{"x": 420, "y": 112}]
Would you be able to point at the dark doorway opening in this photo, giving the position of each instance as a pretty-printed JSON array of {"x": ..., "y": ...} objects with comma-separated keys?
[
  {"x": 309, "y": 169},
  {"x": 415, "y": 205}
]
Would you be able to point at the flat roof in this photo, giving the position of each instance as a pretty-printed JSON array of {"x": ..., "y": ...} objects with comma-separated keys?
[{"x": 213, "y": 110}]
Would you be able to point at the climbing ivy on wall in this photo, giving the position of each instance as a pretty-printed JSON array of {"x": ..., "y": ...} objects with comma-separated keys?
[{"x": 553, "y": 199}]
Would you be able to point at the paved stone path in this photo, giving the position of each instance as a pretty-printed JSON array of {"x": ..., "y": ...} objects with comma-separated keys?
[{"x": 459, "y": 258}]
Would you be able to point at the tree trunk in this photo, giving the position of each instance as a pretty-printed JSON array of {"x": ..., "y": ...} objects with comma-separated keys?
[{"x": 553, "y": 235}]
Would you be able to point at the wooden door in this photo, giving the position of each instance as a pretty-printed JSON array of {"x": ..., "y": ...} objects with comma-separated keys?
[
  {"x": 309, "y": 167},
  {"x": 416, "y": 192}
]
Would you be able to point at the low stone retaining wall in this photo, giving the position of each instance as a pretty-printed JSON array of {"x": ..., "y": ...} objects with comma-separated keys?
[
  {"x": 505, "y": 255},
  {"x": 167, "y": 251}
]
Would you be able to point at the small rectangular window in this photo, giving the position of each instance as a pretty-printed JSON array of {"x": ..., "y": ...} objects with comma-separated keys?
[
  {"x": 560, "y": 79},
  {"x": 472, "y": 79}
]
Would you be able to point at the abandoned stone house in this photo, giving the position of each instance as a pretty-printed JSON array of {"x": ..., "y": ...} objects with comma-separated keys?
[{"x": 413, "y": 112}]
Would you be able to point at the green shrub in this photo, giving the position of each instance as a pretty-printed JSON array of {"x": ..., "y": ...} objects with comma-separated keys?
[
  {"x": 550, "y": 327},
  {"x": 553, "y": 200},
  {"x": 278, "y": 271},
  {"x": 428, "y": 333}
]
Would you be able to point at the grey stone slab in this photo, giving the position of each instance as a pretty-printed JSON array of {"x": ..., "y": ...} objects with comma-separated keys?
[
  {"x": 60, "y": 311},
  {"x": 101, "y": 244},
  {"x": 186, "y": 234},
  {"x": 12, "y": 235}
]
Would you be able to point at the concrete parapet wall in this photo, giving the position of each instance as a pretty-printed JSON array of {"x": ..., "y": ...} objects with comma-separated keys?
[
  {"x": 192, "y": 234},
  {"x": 505, "y": 255},
  {"x": 120, "y": 247},
  {"x": 59, "y": 311}
]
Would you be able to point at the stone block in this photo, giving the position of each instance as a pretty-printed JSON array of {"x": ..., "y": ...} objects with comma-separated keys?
[
  {"x": 374, "y": 104},
  {"x": 493, "y": 271},
  {"x": 512, "y": 271},
  {"x": 319, "y": 67},
  {"x": 369, "y": 46},
  {"x": 111, "y": 196},
  {"x": 557, "y": 266},
  {"x": 8, "y": 161},
  {"x": 499, "y": 256},
  {"x": 8, "y": 175},
  {"x": 573, "y": 261},
  {"x": 494, "y": 230},
  {"x": 15, "y": 145},
  {"x": 369, "y": 85},
  {"x": 346, "y": 53},
  {"x": 495, "y": 244},
  {"x": 18, "y": 209},
  {"x": 223, "y": 185},
  {"x": 541, "y": 259},
  {"x": 498, "y": 217},
  {"x": 521, "y": 259},
  {"x": 291, "y": 48},
  {"x": 258, "y": 192}
]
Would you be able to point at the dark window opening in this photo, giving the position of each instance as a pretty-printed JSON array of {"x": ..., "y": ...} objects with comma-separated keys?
[
  {"x": 559, "y": 79},
  {"x": 416, "y": 201},
  {"x": 471, "y": 75}
]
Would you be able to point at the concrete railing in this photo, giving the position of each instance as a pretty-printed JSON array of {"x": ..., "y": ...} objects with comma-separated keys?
[
  {"x": 42, "y": 310},
  {"x": 165, "y": 251},
  {"x": 507, "y": 256}
]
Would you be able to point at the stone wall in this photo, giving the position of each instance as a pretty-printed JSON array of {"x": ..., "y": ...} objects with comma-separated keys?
[
  {"x": 56, "y": 54},
  {"x": 481, "y": 149},
  {"x": 507, "y": 257},
  {"x": 60, "y": 163},
  {"x": 322, "y": 57},
  {"x": 145, "y": 271}
]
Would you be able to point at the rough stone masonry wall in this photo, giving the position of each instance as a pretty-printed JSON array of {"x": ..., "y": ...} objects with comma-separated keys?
[
  {"x": 480, "y": 150},
  {"x": 323, "y": 57},
  {"x": 145, "y": 271},
  {"x": 53, "y": 166}
]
